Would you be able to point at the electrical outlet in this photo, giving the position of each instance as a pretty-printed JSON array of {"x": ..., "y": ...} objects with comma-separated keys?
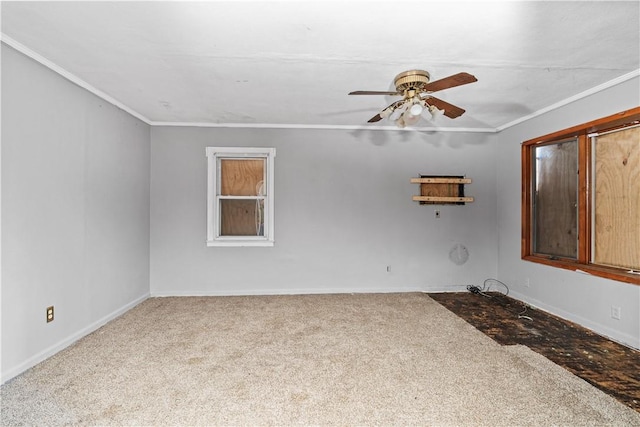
[
  {"x": 437, "y": 214},
  {"x": 616, "y": 312},
  {"x": 50, "y": 314},
  {"x": 527, "y": 283}
]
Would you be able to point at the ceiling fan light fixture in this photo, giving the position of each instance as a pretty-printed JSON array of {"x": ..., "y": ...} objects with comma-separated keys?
[
  {"x": 416, "y": 109},
  {"x": 409, "y": 118},
  {"x": 395, "y": 114},
  {"x": 386, "y": 113},
  {"x": 397, "y": 110},
  {"x": 435, "y": 112}
]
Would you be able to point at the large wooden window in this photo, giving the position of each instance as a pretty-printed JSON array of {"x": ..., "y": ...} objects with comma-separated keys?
[{"x": 581, "y": 198}]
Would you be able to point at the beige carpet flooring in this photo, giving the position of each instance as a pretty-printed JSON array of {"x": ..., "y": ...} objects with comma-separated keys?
[{"x": 363, "y": 359}]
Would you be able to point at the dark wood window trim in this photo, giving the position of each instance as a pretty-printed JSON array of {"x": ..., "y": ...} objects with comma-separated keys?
[{"x": 582, "y": 262}]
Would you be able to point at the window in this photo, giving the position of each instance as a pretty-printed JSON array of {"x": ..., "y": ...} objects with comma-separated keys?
[
  {"x": 240, "y": 196},
  {"x": 581, "y": 198}
]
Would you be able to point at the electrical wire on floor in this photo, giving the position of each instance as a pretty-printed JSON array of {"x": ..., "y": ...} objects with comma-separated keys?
[
  {"x": 484, "y": 291},
  {"x": 486, "y": 286}
]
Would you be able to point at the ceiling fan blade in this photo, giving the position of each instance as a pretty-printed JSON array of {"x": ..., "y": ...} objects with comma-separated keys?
[
  {"x": 451, "y": 81},
  {"x": 372, "y": 92},
  {"x": 450, "y": 110}
]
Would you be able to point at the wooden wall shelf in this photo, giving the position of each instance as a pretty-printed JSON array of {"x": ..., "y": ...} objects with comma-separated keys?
[
  {"x": 442, "y": 199},
  {"x": 441, "y": 180},
  {"x": 441, "y": 190}
]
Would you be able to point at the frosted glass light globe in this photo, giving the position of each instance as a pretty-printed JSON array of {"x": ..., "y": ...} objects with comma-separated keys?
[
  {"x": 410, "y": 119},
  {"x": 415, "y": 110}
]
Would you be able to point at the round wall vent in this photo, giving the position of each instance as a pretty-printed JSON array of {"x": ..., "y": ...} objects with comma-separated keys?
[{"x": 458, "y": 254}]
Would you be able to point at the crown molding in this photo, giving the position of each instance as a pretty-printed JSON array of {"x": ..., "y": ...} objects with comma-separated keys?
[
  {"x": 320, "y": 127},
  {"x": 581, "y": 95},
  {"x": 69, "y": 76}
]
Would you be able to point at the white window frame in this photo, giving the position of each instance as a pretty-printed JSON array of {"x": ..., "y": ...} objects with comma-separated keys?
[{"x": 214, "y": 155}]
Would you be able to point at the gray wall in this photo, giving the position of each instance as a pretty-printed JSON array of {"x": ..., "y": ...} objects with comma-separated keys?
[
  {"x": 75, "y": 211},
  {"x": 575, "y": 296},
  {"x": 343, "y": 213}
]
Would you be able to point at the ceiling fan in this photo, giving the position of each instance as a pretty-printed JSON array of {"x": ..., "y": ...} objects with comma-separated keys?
[{"x": 416, "y": 90}]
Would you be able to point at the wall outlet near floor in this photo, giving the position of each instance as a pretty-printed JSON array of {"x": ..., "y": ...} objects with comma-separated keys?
[
  {"x": 616, "y": 312},
  {"x": 50, "y": 314},
  {"x": 527, "y": 283}
]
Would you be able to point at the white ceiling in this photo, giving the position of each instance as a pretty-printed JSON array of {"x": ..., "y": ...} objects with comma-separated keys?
[{"x": 293, "y": 63}]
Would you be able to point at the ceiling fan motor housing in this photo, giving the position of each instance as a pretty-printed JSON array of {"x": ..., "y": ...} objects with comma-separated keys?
[{"x": 411, "y": 80}]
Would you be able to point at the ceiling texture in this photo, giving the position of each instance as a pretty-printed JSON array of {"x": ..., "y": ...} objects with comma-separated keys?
[{"x": 293, "y": 63}]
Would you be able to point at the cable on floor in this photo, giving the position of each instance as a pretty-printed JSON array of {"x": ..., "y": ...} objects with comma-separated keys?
[{"x": 486, "y": 286}]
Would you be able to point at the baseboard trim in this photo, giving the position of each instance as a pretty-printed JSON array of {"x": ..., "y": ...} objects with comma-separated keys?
[
  {"x": 307, "y": 291},
  {"x": 612, "y": 334},
  {"x": 445, "y": 288},
  {"x": 50, "y": 351},
  {"x": 257, "y": 292}
]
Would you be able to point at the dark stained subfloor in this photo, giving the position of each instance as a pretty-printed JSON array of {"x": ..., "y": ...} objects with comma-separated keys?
[{"x": 607, "y": 365}]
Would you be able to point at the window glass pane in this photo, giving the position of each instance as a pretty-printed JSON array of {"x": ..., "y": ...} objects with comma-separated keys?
[
  {"x": 242, "y": 217},
  {"x": 555, "y": 199},
  {"x": 616, "y": 183},
  {"x": 242, "y": 177}
]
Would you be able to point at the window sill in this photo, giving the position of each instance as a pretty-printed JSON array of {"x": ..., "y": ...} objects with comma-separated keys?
[
  {"x": 612, "y": 273},
  {"x": 240, "y": 243}
]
